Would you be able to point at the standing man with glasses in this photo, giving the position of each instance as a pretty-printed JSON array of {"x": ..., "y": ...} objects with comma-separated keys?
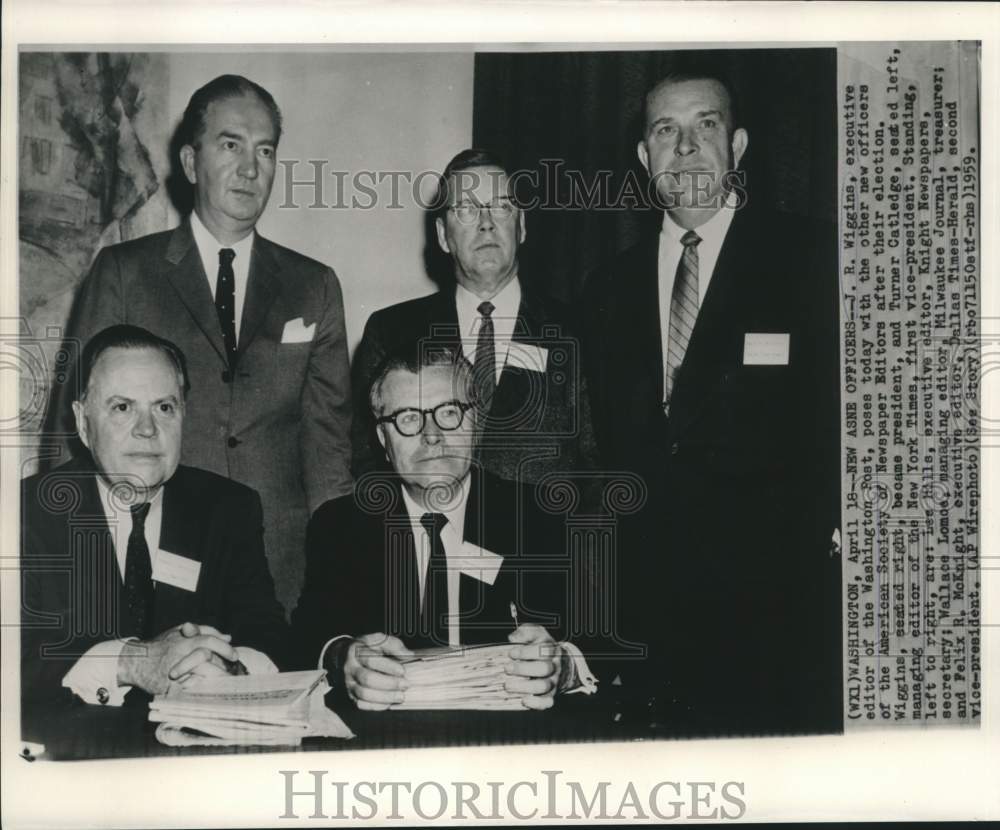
[
  {"x": 534, "y": 409},
  {"x": 262, "y": 325},
  {"x": 436, "y": 554},
  {"x": 713, "y": 354}
]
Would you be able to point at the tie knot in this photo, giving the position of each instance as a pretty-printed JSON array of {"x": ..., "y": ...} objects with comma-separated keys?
[
  {"x": 690, "y": 239},
  {"x": 486, "y": 308},
  {"x": 226, "y": 256},
  {"x": 139, "y": 513},
  {"x": 433, "y": 523}
]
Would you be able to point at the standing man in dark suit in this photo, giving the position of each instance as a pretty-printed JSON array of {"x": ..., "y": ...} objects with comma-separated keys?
[
  {"x": 138, "y": 572},
  {"x": 262, "y": 325},
  {"x": 713, "y": 354},
  {"x": 535, "y": 406},
  {"x": 439, "y": 553}
]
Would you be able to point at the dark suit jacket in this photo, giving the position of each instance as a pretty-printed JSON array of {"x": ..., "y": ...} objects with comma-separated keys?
[
  {"x": 729, "y": 572},
  {"x": 538, "y": 423},
  {"x": 361, "y": 575},
  {"x": 281, "y": 422},
  {"x": 72, "y": 590}
]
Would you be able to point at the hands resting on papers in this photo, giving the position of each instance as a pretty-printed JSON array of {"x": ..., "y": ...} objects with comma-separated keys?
[
  {"x": 178, "y": 655},
  {"x": 375, "y": 678}
]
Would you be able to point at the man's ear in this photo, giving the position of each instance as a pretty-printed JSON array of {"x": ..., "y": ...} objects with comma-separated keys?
[
  {"x": 442, "y": 237},
  {"x": 740, "y": 142},
  {"x": 643, "y": 154},
  {"x": 81, "y": 423},
  {"x": 380, "y": 432},
  {"x": 187, "y": 162},
  {"x": 524, "y": 230}
]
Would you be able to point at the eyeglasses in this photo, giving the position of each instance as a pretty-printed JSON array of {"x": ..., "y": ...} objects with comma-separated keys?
[
  {"x": 410, "y": 421},
  {"x": 469, "y": 212}
]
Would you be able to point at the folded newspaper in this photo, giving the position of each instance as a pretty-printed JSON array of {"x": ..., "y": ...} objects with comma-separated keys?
[
  {"x": 472, "y": 677},
  {"x": 254, "y": 709}
]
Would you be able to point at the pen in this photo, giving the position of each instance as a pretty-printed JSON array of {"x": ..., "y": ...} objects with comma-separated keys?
[{"x": 513, "y": 614}]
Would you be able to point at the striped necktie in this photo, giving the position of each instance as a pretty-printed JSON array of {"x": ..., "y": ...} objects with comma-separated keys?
[
  {"x": 683, "y": 313},
  {"x": 484, "y": 368}
]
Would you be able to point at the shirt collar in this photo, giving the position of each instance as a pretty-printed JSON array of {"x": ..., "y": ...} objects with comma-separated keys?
[
  {"x": 209, "y": 246},
  {"x": 506, "y": 304},
  {"x": 455, "y": 514},
  {"x": 114, "y": 507},
  {"x": 713, "y": 231}
]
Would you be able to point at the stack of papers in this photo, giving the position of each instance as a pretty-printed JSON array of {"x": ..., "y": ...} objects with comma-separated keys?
[
  {"x": 255, "y": 709},
  {"x": 466, "y": 678}
]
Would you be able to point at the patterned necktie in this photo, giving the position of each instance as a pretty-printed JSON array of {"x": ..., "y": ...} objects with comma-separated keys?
[
  {"x": 484, "y": 370},
  {"x": 225, "y": 302},
  {"x": 139, "y": 574},
  {"x": 683, "y": 312},
  {"x": 434, "y": 610}
]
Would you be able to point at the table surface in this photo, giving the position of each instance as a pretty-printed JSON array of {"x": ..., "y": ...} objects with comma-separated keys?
[{"x": 77, "y": 731}]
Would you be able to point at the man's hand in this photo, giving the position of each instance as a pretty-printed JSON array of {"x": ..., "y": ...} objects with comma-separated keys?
[
  {"x": 179, "y": 653},
  {"x": 536, "y": 664},
  {"x": 373, "y": 675}
]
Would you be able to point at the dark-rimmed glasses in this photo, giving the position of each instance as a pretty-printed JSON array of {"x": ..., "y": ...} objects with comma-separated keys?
[
  {"x": 410, "y": 421},
  {"x": 468, "y": 212}
]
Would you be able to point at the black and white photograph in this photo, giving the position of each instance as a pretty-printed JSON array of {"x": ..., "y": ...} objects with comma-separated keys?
[{"x": 566, "y": 403}]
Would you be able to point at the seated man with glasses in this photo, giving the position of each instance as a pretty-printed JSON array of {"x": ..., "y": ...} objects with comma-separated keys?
[
  {"x": 535, "y": 411},
  {"x": 436, "y": 554}
]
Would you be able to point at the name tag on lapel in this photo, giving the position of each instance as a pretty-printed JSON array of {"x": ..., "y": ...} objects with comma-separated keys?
[
  {"x": 766, "y": 349},
  {"x": 175, "y": 570},
  {"x": 526, "y": 356},
  {"x": 296, "y": 331},
  {"x": 479, "y": 563}
]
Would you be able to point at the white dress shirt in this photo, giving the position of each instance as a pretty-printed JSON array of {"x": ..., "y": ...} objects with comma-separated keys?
[
  {"x": 452, "y": 537},
  {"x": 208, "y": 249},
  {"x": 94, "y": 677},
  {"x": 506, "y": 306},
  {"x": 712, "y": 234}
]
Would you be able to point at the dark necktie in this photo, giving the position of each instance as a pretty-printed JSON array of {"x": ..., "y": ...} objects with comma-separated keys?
[
  {"x": 139, "y": 574},
  {"x": 484, "y": 370},
  {"x": 683, "y": 312},
  {"x": 434, "y": 609},
  {"x": 225, "y": 302}
]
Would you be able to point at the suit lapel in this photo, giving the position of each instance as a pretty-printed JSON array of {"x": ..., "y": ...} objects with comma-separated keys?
[
  {"x": 478, "y": 601},
  {"x": 517, "y": 384},
  {"x": 639, "y": 313},
  {"x": 186, "y": 273},
  {"x": 715, "y": 340},
  {"x": 400, "y": 585},
  {"x": 441, "y": 326},
  {"x": 263, "y": 287},
  {"x": 182, "y": 532},
  {"x": 93, "y": 539}
]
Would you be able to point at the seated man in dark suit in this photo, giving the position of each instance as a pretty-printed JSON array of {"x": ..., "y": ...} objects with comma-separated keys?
[
  {"x": 536, "y": 413},
  {"x": 138, "y": 572},
  {"x": 439, "y": 553}
]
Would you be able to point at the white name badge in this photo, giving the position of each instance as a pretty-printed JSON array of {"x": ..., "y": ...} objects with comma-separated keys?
[
  {"x": 766, "y": 349},
  {"x": 527, "y": 356},
  {"x": 479, "y": 563},
  {"x": 175, "y": 570}
]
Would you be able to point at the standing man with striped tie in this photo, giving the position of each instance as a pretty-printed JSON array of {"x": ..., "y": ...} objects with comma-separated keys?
[
  {"x": 713, "y": 357},
  {"x": 262, "y": 325},
  {"x": 534, "y": 406}
]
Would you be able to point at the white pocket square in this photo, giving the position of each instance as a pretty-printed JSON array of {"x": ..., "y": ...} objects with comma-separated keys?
[{"x": 296, "y": 331}]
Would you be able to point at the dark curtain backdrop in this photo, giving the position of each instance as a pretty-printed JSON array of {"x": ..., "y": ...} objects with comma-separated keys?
[{"x": 584, "y": 109}]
